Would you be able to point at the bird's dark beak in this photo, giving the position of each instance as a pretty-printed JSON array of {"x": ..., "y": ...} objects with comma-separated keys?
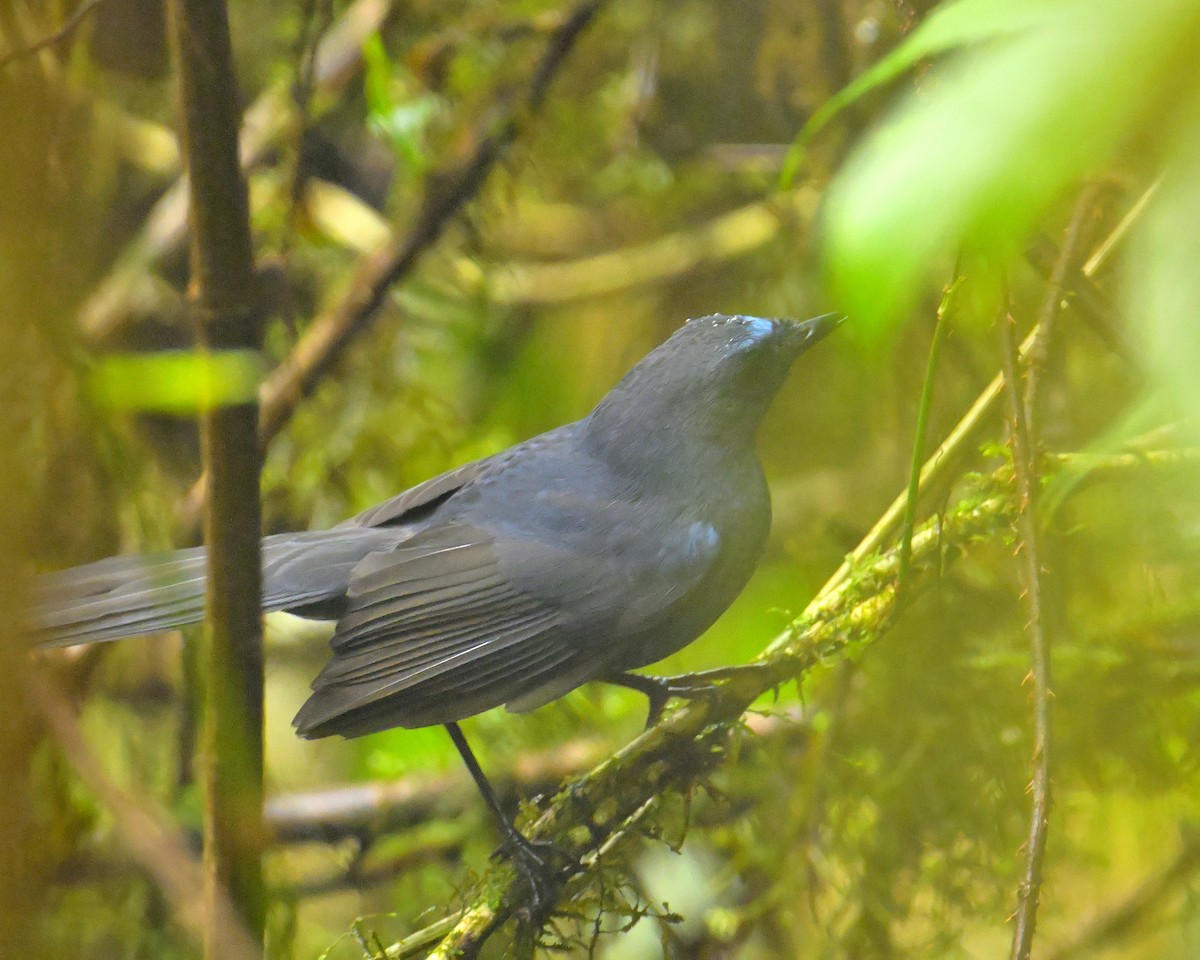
[{"x": 810, "y": 331}]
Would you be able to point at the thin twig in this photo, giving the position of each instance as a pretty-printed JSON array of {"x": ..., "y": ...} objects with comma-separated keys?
[
  {"x": 330, "y": 334},
  {"x": 1064, "y": 265},
  {"x": 1029, "y": 891},
  {"x": 60, "y": 35},
  {"x": 108, "y": 309}
]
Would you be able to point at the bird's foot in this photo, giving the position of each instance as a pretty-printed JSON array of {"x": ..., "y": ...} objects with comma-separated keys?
[
  {"x": 541, "y": 865},
  {"x": 689, "y": 686}
]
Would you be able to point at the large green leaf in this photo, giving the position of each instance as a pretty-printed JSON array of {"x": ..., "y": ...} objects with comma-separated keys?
[{"x": 993, "y": 136}]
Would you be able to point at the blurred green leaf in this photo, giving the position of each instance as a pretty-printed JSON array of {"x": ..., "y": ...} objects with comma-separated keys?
[
  {"x": 394, "y": 109},
  {"x": 994, "y": 136},
  {"x": 183, "y": 382},
  {"x": 1163, "y": 292}
]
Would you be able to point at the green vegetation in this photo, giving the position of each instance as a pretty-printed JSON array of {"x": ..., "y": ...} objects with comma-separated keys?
[{"x": 469, "y": 219}]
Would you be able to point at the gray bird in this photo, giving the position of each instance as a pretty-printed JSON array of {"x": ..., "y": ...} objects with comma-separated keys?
[{"x": 584, "y": 553}]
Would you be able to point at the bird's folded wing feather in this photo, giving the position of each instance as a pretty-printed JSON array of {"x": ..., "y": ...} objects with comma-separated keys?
[
  {"x": 433, "y": 631},
  {"x": 453, "y": 622}
]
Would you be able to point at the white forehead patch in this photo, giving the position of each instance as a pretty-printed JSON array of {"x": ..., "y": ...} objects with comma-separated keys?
[{"x": 758, "y": 328}]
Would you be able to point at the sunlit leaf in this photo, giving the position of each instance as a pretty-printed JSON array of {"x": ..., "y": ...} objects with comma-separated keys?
[
  {"x": 994, "y": 136},
  {"x": 182, "y": 382}
]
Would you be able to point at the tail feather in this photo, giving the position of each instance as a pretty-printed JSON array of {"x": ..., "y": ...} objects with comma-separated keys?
[
  {"x": 120, "y": 597},
  {"x": 126, "y": 596}
]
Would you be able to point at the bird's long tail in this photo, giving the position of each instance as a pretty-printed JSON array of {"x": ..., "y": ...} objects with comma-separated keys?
[
  {"x": 127, "y": 596},
  {"x": 120, "y": 597}
]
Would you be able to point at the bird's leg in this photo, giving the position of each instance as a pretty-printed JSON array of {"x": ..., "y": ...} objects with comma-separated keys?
[
  {"x": 691, "y": 686},
  {"x": 532, "y": 858}
]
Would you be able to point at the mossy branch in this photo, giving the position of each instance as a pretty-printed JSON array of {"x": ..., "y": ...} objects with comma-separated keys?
[{"x": 591, "y": 814}]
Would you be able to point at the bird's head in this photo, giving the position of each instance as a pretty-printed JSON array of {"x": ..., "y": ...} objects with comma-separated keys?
[{"x": 716, "y": 375}]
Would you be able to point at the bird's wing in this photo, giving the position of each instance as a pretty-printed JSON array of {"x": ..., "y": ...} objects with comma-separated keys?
[
  {"x": 457, "y": 619},
  {"x": 433, "y": 631},
  {"x": 628, "y": 559},
  {"x": 414, "y": 503}
]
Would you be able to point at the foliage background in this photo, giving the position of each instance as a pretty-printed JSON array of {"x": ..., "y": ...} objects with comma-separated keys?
[{"x": 886, "y": 816}]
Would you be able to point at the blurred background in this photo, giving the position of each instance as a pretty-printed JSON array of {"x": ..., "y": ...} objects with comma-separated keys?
[{"x": 673, "y": 171}]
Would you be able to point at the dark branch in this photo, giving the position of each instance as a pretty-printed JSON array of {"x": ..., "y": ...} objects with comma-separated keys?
[{"x": 223, "y": 295}]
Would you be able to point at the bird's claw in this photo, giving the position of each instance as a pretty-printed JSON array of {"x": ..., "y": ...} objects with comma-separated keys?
[
  {"x": 535, "y": 862},
  {"x": 690, "y": 686},
  {"x": 682, "y": 686}
]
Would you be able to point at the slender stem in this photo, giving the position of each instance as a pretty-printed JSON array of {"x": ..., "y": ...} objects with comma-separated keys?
[
  {"x": 1052, "y": 302},
  {"x": 914, "y": 477},
  {"x": 1029, "y": 892}
]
